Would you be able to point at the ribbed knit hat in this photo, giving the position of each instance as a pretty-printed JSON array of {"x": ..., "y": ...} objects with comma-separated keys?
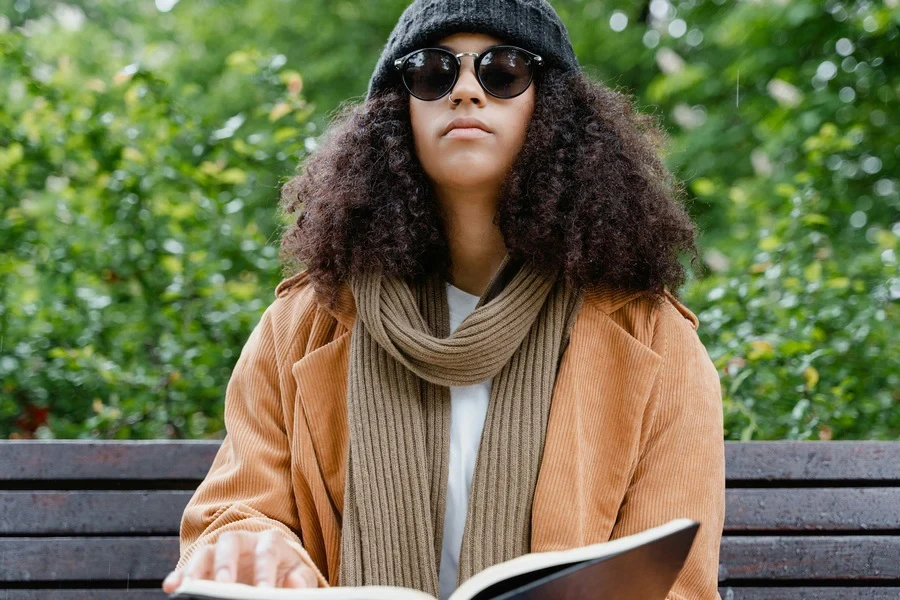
[{"x": 531, "y": 24}]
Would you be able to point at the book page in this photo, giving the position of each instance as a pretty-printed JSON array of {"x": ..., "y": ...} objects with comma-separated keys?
[{"x": 206, "y": 589}]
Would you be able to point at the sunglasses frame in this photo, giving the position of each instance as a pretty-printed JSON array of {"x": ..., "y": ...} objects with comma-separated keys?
[{"x": 534, "y": 59}]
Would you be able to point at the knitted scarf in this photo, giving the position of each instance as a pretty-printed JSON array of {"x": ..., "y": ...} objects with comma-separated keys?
[{"x": 402, "y": 360}]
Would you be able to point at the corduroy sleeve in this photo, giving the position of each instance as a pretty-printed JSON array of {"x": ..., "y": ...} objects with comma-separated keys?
[
  {"x": 681, "y": 466},
  {"x": 248, "y": 486}
]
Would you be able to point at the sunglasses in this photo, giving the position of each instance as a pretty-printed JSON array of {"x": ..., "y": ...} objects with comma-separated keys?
[{"x": 503, "y": 71}]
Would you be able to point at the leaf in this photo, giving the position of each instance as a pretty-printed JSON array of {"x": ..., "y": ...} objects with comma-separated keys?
[
  {"x": 813, "y": 271},
  {"x": 769, "y": 243},
  {"x": 811, "y": 375},
  {"x": 233, "y": 175},
  {"x": 279, "y": 110},
  {"x": 132, "y": 154},
  {"x": 838, "y": 283},
  {"x": 815, "y": 219},
  {"x": 703, "y": 186},
  {"x": 760, "y": 349},
  {"x": 11, "y": 156}
]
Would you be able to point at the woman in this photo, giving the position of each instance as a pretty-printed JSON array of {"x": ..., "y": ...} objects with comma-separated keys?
[{"x": 482, "y": 356}]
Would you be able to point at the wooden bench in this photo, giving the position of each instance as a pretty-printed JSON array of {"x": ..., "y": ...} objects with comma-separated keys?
[{"x": 90, "y": 519}]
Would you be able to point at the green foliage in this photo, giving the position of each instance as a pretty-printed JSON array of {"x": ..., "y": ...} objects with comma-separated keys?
[
  {"x": 142, "y": 149},
  {"x": 800, "y": 179},
  {"x": 138, "y": 238}
]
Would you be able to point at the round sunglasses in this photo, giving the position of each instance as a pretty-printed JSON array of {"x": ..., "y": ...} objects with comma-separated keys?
[{"x": 503, "y": 71}]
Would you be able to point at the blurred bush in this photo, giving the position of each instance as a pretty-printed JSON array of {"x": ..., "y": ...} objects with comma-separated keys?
[
  {"x": 138, "y": 235},
  {"x": 142, "y": 147}
]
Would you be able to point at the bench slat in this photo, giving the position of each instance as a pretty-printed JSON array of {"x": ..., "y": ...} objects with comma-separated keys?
[
  {"x": 863, "y": 558},
  {"x": 77, "y": 513},
  {"x": 803, "y": 461},
  {"x": 106, "y": 459},
  {"x": 812, "y": 509},
  {"x": 159, "y": 511},
  {"x": 761, "y": 559},
  {"x": 87, "y": 558},
  {"x": 767, "y": 461},
  {"x": 727, "y": 593},
  {"x": 809, "y": 593},
  {"x": 57, "y": 594}
]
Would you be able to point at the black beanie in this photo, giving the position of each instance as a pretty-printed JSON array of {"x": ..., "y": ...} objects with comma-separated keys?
[{"x": 530, "y": 24}]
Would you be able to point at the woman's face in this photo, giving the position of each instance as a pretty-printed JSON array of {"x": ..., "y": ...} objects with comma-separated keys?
[{"x": 455, "y": 161}]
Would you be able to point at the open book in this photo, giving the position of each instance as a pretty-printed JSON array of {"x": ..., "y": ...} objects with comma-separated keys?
[{"x": 641, "y": 566}]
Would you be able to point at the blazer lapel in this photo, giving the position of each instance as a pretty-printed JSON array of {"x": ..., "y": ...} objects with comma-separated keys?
[
  {"x": 593, "y": 433},
  {"x": 321, "y": 395},
  {"x": 321, "y": 377}
]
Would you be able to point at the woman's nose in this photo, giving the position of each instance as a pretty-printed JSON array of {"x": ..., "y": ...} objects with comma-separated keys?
[{"x": 467, "y": 81}]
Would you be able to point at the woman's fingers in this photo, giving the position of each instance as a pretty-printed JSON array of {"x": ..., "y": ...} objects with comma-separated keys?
[
  {"x": 198, "y": 567},
  {"x": 227, "y": 552},
  {"x": 200, "y": 564},
  {"x": 278, "y": 565},
  {"x": 266, "y": 559},
  {"x": 259, "y": 559},
  {"x": 301, "y": 576},
  {"x": 172, "y": 581}
]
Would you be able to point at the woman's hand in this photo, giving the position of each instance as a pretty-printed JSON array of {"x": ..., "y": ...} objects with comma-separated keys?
[{"x": 260, "y": 559}]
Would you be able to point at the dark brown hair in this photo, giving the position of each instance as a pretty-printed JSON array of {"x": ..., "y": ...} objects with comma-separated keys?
[{"x": 588, "y": 194}]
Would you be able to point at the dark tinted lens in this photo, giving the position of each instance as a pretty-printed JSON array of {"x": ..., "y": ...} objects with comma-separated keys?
[
  {"x": 505, "y": 72},
  {"x": 429, "y": 73}
]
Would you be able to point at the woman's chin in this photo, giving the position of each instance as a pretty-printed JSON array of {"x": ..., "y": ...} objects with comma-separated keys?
[
  {"x": 469, "y": 167},
  {"x": 470, "y": 175}
]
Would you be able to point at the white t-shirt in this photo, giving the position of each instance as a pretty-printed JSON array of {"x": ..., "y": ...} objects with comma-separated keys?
[{"x": 468, "y": 408}]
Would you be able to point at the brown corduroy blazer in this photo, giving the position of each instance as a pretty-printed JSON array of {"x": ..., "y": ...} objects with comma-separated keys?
[{"x": 634, "y": 439}]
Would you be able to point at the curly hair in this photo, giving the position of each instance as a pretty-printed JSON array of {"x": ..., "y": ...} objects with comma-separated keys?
[{"x": 587, "y": 195}]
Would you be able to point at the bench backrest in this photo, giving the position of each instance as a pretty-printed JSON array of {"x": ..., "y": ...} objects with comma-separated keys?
[{"x": 803, "y": 519}]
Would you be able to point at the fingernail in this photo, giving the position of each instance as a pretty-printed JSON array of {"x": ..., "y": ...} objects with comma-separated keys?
[
  {"x": 222, "y": 575},
  {"x": 264, "y": 584}
]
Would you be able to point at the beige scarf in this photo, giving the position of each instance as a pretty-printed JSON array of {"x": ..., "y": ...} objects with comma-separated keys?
[{"x": 402, "y": 360}]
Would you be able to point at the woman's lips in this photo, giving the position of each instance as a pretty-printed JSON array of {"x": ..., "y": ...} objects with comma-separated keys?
[{"x": 467, "y": 133}]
